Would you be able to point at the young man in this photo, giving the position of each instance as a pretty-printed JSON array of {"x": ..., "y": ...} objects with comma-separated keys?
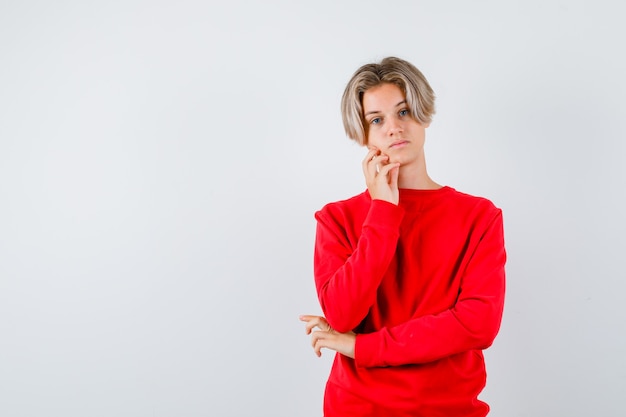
[{"x": 409, "y": 273}]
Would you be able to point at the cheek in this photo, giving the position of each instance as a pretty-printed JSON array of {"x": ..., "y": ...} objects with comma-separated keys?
[{"x": 373, "y": 139}]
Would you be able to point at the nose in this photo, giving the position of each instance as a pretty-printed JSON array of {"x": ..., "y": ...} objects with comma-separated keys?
[{"x": 395, "y": 127}]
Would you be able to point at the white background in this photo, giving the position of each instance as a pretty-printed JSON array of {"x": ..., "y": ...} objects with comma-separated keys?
[{"x": 160, "y": 164}]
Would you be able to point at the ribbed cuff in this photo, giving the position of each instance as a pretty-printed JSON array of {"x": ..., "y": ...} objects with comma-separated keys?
[
  {"x": 366, "y": 350},
  {"x": 384, "y": 214}
]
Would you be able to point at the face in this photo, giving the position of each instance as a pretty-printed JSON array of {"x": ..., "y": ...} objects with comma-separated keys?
[{"x": 390, "y": 127}]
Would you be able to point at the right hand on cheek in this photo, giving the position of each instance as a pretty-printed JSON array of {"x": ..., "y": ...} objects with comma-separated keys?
[{"x": 381, "y": 177}]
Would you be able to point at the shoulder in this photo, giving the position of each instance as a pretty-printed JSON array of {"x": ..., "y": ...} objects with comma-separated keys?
[
  {"x": 344, "y": 209},
  {"x": 479, "y": 206},
  {"x": 470, "y": 199}
]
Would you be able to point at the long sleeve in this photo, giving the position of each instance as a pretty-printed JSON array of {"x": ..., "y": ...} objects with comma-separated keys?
[
  {"x": 347, "y": 276},
  {"x": 472, "y": 323}
]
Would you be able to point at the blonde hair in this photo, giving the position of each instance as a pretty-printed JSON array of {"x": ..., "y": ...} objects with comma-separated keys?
[{"x": 418, "y": 93}]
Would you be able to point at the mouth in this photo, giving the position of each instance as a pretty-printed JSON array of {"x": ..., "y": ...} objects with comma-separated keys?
[{"x": 398, "y": 144}]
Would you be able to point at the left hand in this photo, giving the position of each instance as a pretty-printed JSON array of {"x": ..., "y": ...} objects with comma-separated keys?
[{"x": 327, "y": 337}]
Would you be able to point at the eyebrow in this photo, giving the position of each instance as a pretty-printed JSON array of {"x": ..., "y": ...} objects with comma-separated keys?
[{"x": 378, "y": 111}]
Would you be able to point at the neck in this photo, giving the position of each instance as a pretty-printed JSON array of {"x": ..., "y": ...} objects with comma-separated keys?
[{"x": 415, "y": 176}]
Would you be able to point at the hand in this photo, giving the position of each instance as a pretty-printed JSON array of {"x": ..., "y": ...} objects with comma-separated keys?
[
  {"x": 327, "y": 337},
  {"x": 381, "y": 176}
]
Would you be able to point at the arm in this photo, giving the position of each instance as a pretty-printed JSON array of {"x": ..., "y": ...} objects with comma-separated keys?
[
  {"x": 472, "y": 323},
  {"x": 347, "y": 279}
]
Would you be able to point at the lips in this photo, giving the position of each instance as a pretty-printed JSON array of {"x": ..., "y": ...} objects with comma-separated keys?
[{"x": 398, "y": 143}]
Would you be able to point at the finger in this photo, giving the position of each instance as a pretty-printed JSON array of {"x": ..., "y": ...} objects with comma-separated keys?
[
  {"x": 371, "y": 154},
  {"x": 311, "y": 325},
  {"x": 316, "y": 337},
  {"x": 318, "y": 348},
  {"x": 310, "y": 321},
  {"x": 315, "y": 321},
  {"x": 333, "y": 341},
  {"x": 320, "y": 323},
  {"x": 375, "y": 165},
  {"x": 307, "y": 317},
  {"x": 367, "y": 160},
  {"x": 320, "y": 340},
  {"x": 368, "y": 157},
  {"x": 386, "y": 169}
]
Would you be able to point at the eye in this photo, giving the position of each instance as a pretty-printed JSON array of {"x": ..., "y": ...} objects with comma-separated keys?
[
  {"x": 375, "y": 120},
  {"x": 403, "y": 112}
]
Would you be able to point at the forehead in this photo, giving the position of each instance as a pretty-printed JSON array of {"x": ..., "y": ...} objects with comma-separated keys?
[{"x": 381, "y": 97}]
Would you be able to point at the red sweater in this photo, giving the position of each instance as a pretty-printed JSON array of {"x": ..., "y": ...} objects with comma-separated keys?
[{"x": 422, "y": 285}]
